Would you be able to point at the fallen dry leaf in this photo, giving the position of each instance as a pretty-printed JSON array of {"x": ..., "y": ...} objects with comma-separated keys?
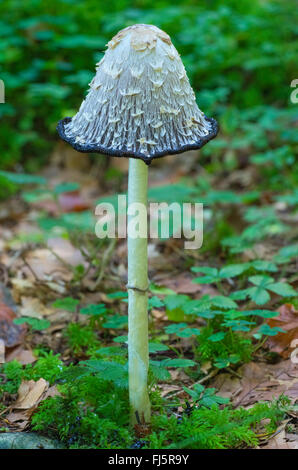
[
  {"x": 182, "y": 284},
  {"x": 259, "y": 382},
  {"x": 228, "y": 385},
  {"x": 29, "y": 394},
  {"x": 10, "y": 333},
  {"x": 206, "y": 367},
  {"x": 280, "y": 441},
  {"x": 283, "y": 343},
  {"x": 23, "y": 356},
  {"x": 2, "y": 351},
  {"x": 167, "y": 389},
  {"x": 6, "y": 313},
  {"x": 21, "y": 287},
  {"x": 51, "y": 392},
  {"x": 72, "y": 201},
  {"x": 19, "y": 420},
  {"x": 179, "y": 374},
  {"x": 33, "y": 307}
]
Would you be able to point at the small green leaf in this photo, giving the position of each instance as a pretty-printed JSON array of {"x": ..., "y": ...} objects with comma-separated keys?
[
  {"x": 94, "y": 309},
  {"x": 217, "y": 336},
  {"x": 268, "y": 331},
  {"x": 108, "y": 370},
  {"x": 158, "y": 371},
  {"x": 156, "y": 347},
  {"x": 205, "y": 280},
  {"x": 178, "y": 363},
  {"x": 175, "y": 327},
  {"x": 262, "y": 265},
  {"x": 175, "y": 301},
  {"x": 22, "y": 178},
  {"x": 66, "y": 188},
  {"x": 205, "y": 270},
  {"x": 261, "y": 281},
  {"x": 182, "y": 330},
  {"x": 239, "y": 325},
  {"x": 118, "y": 295},
  {"x": 35, "y": 323},
  {"x": 121, "y": 339},
  {"x": 155, "y": 302},
  {"x": 116, "y": 321},
  {"x": 261, "y": 313},
  {"x": 239, "y": 294},
  {"x": 233, "y": 270},
  {"x": 221, "y": 363},
  {"x": 111, "y": 351},
  {"x": 283, "y": 289},
  {"x": 68, "y": 303},
  {"x": 188, "y": 332},
  {"x": 259, "y": 295},
  {"x": 223, "y": 302},
  {"x": 161, "y": 290},
  {"x": 234, "y": 358},
  {"x": 286, "y": 254}
]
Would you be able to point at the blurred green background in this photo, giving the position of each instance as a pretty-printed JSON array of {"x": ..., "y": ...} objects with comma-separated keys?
[{"x": 240, "y": 58}]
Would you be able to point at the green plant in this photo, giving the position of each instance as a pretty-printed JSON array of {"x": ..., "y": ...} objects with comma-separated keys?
[
  {"x": 36, "y": 324},
  {"x": 213, "y": 275},
  {"x": 49, "y": 366},
  {"x": 222, "y": 347},
  {"x": 215, "y": 428},
  {"x": 97, "y": 313},
  {"x": 182, "y": 330},
  {"x": 13, "y": 374},
  {"x": 81, "y": 338},
  {"x": 68, "y": 303},
  {"x": 91, "y": 410},
  {"x": 90, "y": 413},
  {"x": 205, "y": 397},
  {"x": 259, "y": 294}
]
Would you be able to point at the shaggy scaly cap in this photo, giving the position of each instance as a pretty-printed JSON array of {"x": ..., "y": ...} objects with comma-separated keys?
[{"x": 140, "y": 103}]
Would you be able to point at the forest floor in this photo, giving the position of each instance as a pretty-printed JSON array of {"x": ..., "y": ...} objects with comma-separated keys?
[{"x": 49, "y": 253}]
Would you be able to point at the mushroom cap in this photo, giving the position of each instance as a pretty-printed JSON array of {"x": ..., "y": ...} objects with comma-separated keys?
[{"x": 140, "y": 103}]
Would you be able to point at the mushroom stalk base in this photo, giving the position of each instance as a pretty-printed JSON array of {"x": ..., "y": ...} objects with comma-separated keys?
[{"x": 138, "y": 355}]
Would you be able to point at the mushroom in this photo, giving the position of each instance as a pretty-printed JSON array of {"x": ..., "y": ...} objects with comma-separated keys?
[{"x": 140, "y": 105}]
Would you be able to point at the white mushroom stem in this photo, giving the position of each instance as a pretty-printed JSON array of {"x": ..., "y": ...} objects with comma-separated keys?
[{"x": 138, "y": 355}]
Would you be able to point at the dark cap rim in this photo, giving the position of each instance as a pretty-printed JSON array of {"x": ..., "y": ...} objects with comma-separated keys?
[{"x": 94, "y": 148}]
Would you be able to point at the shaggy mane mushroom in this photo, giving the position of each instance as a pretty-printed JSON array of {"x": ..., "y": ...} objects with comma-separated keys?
[{"x": 140, "y": 104}]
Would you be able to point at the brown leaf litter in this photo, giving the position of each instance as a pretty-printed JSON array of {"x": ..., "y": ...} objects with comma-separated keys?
[
  {"x": 30, "y": 394},
  {"x": 284, "y": 343}
]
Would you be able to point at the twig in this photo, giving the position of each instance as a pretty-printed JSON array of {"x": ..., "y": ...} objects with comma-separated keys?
[
  {"x": 213, "y": 373},
  {"x": 29, "y": 267},
  {"x": 105, "y": 259},
  {"x": 234, "y": 373},
  {"x": 67, "y": 265}
]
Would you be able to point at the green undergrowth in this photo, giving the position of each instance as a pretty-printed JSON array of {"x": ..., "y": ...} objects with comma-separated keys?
[
  {"x": 91, "y": 410},
  {"x": 241, "y": 57}
]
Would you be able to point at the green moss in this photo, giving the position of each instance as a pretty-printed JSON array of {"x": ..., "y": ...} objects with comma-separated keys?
[
  {"x": 233, "y": 346},
  {"x": 216, "y": 428},
  {"x": 12, "y": 377},
  {"x": 81, "y": 338}
]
